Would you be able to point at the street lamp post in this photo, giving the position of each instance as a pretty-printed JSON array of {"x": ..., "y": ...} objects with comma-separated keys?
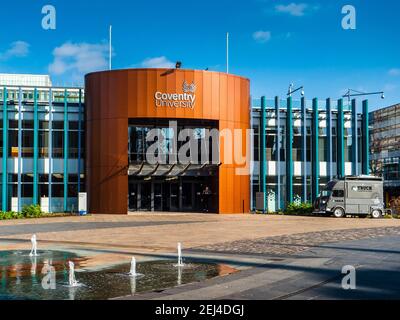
[
  {"x": 289, "y": 142},
  {"x": 351, "y": 93}
]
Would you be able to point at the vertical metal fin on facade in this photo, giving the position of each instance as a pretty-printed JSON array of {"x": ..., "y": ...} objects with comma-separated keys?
[
  {"x": 278, "y": 153},
  {"x": 50, "y": 147},
  {"x": 19, "y": 161},
  {"x": 66, "y": 129},
  {"x": 79, "y": 139},
  {"x": 315, "y": 151},
  {"x": 289, "y": 151},
  {"x": 263, "y": 160},
  {"x": 365, "y": 137},
  {"x": 354, "y": 127},
  {"x": 35, "y": 147},
  {"x": 304, "y": 148},
  {"x": 4, "y": 205},
  {"x": 340, "y": 140},
  {"x": 329, "y": 139}
]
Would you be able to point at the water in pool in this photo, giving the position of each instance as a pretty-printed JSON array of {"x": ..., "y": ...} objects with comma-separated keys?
[{"x": 47, "y": 277}]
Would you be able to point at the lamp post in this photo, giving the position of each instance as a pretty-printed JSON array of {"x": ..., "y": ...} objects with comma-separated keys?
[
  {"x": 289, "y": 142},
  {"x": 355, "y": 93},
  {"x": 351, "y": 93},
  {"x": 291, "y": 91}
]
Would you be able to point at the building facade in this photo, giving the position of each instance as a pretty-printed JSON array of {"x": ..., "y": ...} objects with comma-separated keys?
[
  {"x": 124, "y": 106},
  {"x": 385, "y": 148},
  {"x": 57, "y": 142},
  {"x": 42, "y": 144},
  {"x": 307, "y": 144}
]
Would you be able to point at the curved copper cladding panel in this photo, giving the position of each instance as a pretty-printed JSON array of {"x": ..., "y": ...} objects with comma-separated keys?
[{"x": 113, "y": 97}]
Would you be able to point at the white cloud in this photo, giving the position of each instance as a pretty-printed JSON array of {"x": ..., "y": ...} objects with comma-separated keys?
[
  {"x": 262, "y": 36},
  {"x": 157, "y": 62},
  {"x": 394, "y": 72},
  {"x": 77, "y": 59},
  {"x": 390, "y": 87},
  {"x": 294, "y": 9},
  {"x": 17, "y": 49}
]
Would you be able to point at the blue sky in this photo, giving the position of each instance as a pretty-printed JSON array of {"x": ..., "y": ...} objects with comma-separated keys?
[{"x": 273, "y": 42}]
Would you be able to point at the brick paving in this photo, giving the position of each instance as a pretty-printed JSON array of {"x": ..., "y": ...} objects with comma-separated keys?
[
  {"x": 292, "y": 244},
  {"x": 109, "y": 237}
]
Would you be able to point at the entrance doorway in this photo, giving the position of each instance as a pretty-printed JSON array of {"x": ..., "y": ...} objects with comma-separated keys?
[{"x": 182, "y": 194}]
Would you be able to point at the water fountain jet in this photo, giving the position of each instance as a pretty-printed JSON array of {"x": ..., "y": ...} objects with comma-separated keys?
[
  {"x": 34, "y": 246},
  {"x": 180, "y": 260},
  {"x": 133, "y": 272},
  {"x": 72, "y": 280}
]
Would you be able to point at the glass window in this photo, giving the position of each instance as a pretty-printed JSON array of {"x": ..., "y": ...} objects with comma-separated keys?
[
  {"x": 57, "y": 190},
  {"x": 27, "y": 143},
  {"x": 58, "y": 125},
  {"x": 13, "y": 144},
  {"x": 27, "y": 124},
  {"x": 73, "y": 125},
  {"x": 44, "y": 190},
  {"x": 44, "y": 178},
  {"x": 57, "y": 178},
  {"x": 338, "y": 193},
  {"x": 27, "y": 178},
  {"x": 73, "y": 144},
  {"x": 27, "y": 190},
  {"x": 58, "y": 144},
  {"x": 43, "y": 144},
  {"x": 43, "y": 125},
  {"x": 13, "y": 124},
  {"x": 1, "y": 142}
]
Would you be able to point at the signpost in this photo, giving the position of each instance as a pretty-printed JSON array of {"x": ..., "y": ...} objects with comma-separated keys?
[{"x": 82, "y": 203}]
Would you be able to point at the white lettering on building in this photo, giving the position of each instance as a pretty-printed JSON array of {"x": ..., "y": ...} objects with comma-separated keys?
[{"x": 187, "y": 99}]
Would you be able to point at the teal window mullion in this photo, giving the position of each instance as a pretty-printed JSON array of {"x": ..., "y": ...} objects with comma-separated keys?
[
  {"x": 289, "y": 151},
  {"x": 4, "y": 205},
  {"x": 304, "y": 148},
  {"x": 340, "y": 141},
  {"x": 66, "y": 129},
  {"x": 278, "y": 153},
  {"x": 79, "y": 139},
  {"x": 19, "y": 161},
  {"x": 263, "y": 160},
  {"x": 35, "y": 148},
  {"x": 365, "y": 138},
  {"x": 354, "y": 147},
  {"x": 329, "y": 139},
  {"x": 50, "y": 147},
  {"x": 315, "y": 151}
]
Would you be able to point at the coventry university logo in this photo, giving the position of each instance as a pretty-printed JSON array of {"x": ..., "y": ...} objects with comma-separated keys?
[
  {"x": 189, "y": 88},
  {"x": 187, "y": 99}
]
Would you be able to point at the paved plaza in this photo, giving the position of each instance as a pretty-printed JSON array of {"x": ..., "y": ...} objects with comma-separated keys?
[{"x": 279, "y": 257}]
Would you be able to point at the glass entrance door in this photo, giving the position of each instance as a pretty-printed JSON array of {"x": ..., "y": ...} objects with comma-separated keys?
[
  {"x": 158, "y": 196},
  {"x": 187, "y": 196},
  {"x": 133, "y": 197},
  {"x": 179, "y": 195},
  {"x": 145, "y": 197},
  {"x": 174, "y": 197}
]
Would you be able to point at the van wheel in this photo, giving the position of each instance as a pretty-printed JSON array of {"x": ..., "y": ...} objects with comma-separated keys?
[
  {"x": 376, "y": 214},
  {"x": 339, "y": 213}
]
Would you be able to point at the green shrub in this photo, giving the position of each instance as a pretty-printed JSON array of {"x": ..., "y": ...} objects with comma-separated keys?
[
  {"x": 299, "y": 209},
  {"x": 10, "y": 215},
  {"x": 32, "y": 211}
]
